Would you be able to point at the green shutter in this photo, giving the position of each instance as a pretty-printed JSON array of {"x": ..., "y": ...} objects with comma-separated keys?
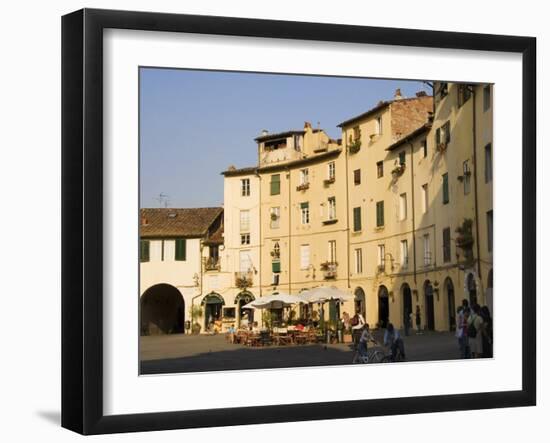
[
  {"x": 356, "y": 219},
  {"x": 181, "y": 249},
  {"x": 445, "y": 188},
  {"x": 144, "y": 250},
  {"x": 380, "y": 213},
  {"x": 276, "y": 266},
  {"x": 275, "y": 184},
  {"x": 402, "y": 158}
]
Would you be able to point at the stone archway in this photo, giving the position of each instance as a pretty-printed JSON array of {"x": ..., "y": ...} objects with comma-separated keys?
[
  {"x": 162, "y": 310},
  {"x": 450, "y": 301},
  {"x": 212, "y": 303},
  {"x": 429, "y": 310},
  {"x": 383, "y": 306},
  {"x": 406, "y": 295},
  {"x": 359, "y": 302}
]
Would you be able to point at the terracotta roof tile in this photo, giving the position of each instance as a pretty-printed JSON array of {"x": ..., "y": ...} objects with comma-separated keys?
[{"x": 177, "y": 222}]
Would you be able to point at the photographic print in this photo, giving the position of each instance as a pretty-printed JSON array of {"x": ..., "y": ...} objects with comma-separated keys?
[{"x": 299, "y": 220}]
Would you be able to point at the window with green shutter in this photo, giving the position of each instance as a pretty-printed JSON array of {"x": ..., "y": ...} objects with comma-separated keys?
[
  {"x": 276, "y": 267},
  {"x": 181, "y": 246},
  {"x": 144, "y": 250},
  {"x": 380, "y": 213},
  {"x": 445, "y": 188},
  {"x": 357, "y": 219},
  {"x": 275, "y": 184},
  {"x": 402, "y": 157}
]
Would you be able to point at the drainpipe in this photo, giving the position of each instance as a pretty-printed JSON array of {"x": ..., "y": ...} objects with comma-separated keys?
[
  {"x": 200, "y": 288},
  {"x": 474, "y": 163},
  {"x": 289, "y": 233},
  {"x": 260, "y": 242},
  {"x": 413, "y": 213},
  {"x": 347, "y": 215}
]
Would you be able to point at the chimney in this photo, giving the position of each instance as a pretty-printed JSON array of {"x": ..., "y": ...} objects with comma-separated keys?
[
  {"x": 421, "y": 94},
  {"x": 264, "y": 132},
  {"x": 397, "y": 95},
  {"x": 307, "y": 125},
  {"x": 144, "y": 221}
]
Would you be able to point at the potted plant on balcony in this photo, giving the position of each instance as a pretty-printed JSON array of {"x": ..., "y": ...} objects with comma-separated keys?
[
  {"x": 398, "y": 170},
  {"x": 354, "y": 145},
  {"x": 465, "y": 238},
  {"x": 441, "y": 147},
  {"x": 302, "y": 187}
]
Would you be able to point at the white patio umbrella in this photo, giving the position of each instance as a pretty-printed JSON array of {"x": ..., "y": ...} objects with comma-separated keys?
[
  {"x": 323, "y": 294},
  {"x": 275, "y": 300}
]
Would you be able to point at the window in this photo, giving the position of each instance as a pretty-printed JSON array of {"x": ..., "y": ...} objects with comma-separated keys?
[
  {"x": 297, "y": 143},
  {"x": 356, "y": 133},
  {"x": 331, "y": 171},
  {"x": 229, "y": 312},
  {"x": 464, "y": 93},
  {"x": 181, "y": 249},
  {"x": 304, "y": 256},
  {"x": 427, "y": 251},
  {"x": 276, "y": 279},
  {"x": 332, "y": 251},
  {"x": 381, "y": 256},
  {"x": 424, "y": 144},
  {"x": 275, "y": 184},
  {"x": 304, "y": 209},
  {"x": 402, "y": 207},
  {"x": 245, "y": 221},
  {"x": 276, "y": 267},
  {"x": 378, "y": 127},
  {"x": 380, "y": 214},
  {"x": 380, "y": 169},
  {"x": 490, "y": 231},
  {"x": 304, "y": 176},
  {"x": 144, "y": 247},
  {"x": 447, "y": 245},
  {"x": 245, "y": 263},
  {"x": 488, "y": 163},
  {"x": 443, "y": 134},
  {"x": 245, "y": 187},
  {"x": 359, "y": 261},
  {"x": 443, "y": 89},
  {"x": 357, "y": 177},
  {"x": 425, "y": 198},
  {"x": 275, "y": 217},
  {"x": 402, "y": 157},
  {"x": 486, "y": 97},
  {"x": 245, "y": 239},
  {"x": 332, "y": 208},
  {"x": 445, "y": 178},
  {"x": 466, "y": 177},
  {"x": 404, "y": 253},
  {"x": 357, "y": 219}
]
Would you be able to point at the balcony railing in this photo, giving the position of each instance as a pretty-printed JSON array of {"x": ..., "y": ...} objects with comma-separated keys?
[
  {"x": 212, "y": 264},
  {"x": 329, "y": 270}
]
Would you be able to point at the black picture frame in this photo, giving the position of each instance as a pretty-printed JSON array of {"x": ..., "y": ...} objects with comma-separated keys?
[{"x": 82, "y": 190}]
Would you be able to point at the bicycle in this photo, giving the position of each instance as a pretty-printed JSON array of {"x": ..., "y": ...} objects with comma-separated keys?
[
  {"x": 372, "y": 356},
  {"x": 389, "y": 358}
]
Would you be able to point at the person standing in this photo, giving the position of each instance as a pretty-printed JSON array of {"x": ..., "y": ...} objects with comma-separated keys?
[
  {"x": 487, "y": 338},
  {"x": 393, "y": 340},
  {"x": 357, "y": 322},
  {"x": 459, "y": 332},
  {"x": 475, "y": 331}
]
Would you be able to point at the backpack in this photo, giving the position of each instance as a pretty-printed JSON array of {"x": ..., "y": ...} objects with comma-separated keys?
[
  {"x": 355, "y": 320},
  {"x": 472, "y": 331}
]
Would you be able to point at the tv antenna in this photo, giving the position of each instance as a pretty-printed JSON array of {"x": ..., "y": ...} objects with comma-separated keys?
[{"x": 163, "y": 200}]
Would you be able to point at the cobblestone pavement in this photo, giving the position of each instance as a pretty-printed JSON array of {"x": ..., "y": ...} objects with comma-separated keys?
[{"x": 187, "y": 353}]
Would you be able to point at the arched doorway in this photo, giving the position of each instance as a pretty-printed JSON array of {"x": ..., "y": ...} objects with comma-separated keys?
[
  {"x": 407, "y": 304},
  {"x": 359, "y": 302},
  {"x": 212, "y": 303},
  {"x": 383, "y": 307},
  {"x": 246, "y": 316},
  {"x": 162, "y": 311},
  {"x": 472, "y": 289},
  {"x": 429, "y": 305},
  {"x": 450, "y": 293}
]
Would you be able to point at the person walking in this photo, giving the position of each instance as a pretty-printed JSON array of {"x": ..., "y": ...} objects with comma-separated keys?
[
  {"x": 487, "y": 333},
  {"x": 459, "y": 331},
  {"x": 465, "y": 337},
  {"x": 393, "y": 340},
  {"x": 357, "y": 322}
]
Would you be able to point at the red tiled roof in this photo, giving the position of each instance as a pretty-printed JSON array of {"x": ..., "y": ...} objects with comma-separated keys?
[{"x": 177, "y": 222}]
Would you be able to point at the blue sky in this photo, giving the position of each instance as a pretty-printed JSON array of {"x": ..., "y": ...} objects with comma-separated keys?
[{"x": 194, "y": 124}]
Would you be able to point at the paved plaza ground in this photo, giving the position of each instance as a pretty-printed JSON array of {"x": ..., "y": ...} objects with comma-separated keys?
[{"x": 193, "y": 353}]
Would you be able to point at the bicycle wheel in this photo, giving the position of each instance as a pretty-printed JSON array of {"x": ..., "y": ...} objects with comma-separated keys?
[
  {"x": 376, "y": 357},
  {"x": 386, "y": 359}
]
